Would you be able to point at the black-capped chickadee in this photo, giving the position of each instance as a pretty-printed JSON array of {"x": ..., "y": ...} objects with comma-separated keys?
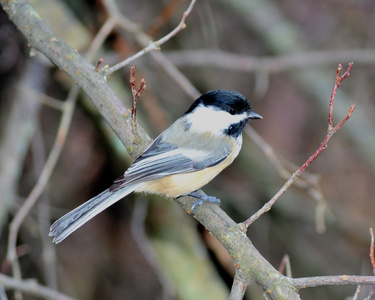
[{"x": 181, "y": 160}]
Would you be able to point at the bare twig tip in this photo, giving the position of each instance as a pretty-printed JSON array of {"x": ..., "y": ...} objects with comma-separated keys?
[
  {"x": 351, "y": 109},
  {"x": 330, "y": 131},
  {"x": 154, "y": 46},
  {"x": 347, "y": 72},
  {"x": 372, "y": 255}
]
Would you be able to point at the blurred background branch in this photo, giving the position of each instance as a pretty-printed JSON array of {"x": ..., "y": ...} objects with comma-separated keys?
[
  {"x": 31, "y": 287},
  {"x": 271, "y": 64}
]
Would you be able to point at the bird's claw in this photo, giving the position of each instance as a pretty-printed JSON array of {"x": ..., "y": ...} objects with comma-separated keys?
[{"x": 203, "y": 199}]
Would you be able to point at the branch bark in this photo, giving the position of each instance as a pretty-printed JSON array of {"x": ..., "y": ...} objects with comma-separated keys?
[
  {"x": 238, "y": 289},
  {"x": 94, "y": 84},
  {"x": 307, "y": 282},
  {"x": 330, "y": 132},
  {"x": 249, "y": 263}
]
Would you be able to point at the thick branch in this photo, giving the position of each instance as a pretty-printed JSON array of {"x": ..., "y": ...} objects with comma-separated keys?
[
  {"x": 249, "y": 263},
  {"x": 80, "y": 70}
]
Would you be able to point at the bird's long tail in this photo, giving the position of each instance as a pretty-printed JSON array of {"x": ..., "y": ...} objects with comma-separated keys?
[{"x": 70, "y": 222}]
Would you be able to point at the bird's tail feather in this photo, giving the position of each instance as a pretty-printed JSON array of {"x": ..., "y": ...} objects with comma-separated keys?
[{"x": 70, "y": 222}]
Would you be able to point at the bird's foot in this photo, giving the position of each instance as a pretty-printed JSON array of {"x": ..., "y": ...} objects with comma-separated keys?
[{"x": 202, "y": 199}]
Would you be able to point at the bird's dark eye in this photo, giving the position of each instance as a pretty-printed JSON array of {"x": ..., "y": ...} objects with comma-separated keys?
[{"x": 232, "y": 111}]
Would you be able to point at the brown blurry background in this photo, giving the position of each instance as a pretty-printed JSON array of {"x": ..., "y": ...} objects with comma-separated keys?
[{"x": 282, "y": 55}]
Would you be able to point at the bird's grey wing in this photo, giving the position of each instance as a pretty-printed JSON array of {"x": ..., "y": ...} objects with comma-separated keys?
[{"x": 163, "y": 159}]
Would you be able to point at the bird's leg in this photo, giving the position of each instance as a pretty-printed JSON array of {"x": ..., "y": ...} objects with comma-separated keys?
[{"x": 202, "y": 199}]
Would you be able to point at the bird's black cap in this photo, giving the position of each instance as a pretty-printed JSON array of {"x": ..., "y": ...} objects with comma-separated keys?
[{"x": 230, "y": 101}]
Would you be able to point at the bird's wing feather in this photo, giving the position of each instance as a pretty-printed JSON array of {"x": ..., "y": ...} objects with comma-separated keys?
[{"x": 163, "y": 159}]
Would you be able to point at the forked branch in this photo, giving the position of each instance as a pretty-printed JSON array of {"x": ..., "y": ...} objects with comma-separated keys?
[
  {"x": 154, "y": 45},
  {"x": 330, "y": 131}
]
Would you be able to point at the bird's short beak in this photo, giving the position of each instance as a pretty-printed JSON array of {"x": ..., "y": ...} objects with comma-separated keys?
[{"x": 253, "y": 115}]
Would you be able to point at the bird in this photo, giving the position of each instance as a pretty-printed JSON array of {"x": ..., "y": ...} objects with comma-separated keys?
[{"x": 181, "y": 160}]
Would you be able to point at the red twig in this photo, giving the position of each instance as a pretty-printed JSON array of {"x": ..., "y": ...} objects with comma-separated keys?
[
  {"x": 372, "y": 258},
  {"x": 372, "y": 255},
  {"x": 339, "y": 78},
  {"x": 357, "y": 292},
  {"x": 136, "y": 93},
  {"x": 330, "y": 131}
]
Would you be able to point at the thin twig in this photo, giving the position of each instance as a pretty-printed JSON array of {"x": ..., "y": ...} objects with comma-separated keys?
[
  {"x": 357, "y": 291},
  {"x": 372, "y": 255},
  {"x": 339, "y": 78},
  {"x": 48, "y": 251},
  {"x": 41, "y": 97},
  {"x": 308, "y": 182},
  {"x": 370, "y": 296},
  {"x": 285, "y": 266},
  {"x": 307, "y": 282},
  {"x": 136, "y": 93},
  {"x": 153, "y": 45},
  {"x": 238, "y": 289},
  {"x": 68, "y": 109},
  {"x": 42, "y": 181},
  {"x": 144, "y": 40},
  {"x": 330, "y": 131},
  {"x": 78, "y": 68},
  {"x": 31, "y": 287},
  {"x": 372, "y": 259},
  {"x": 100, "y": 37},
  {"x": 217, "y": 59},
  {"x": 176, "y": 74}
]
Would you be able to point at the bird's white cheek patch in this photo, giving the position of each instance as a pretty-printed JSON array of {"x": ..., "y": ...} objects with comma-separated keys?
[{"x": 205, "y": 119}]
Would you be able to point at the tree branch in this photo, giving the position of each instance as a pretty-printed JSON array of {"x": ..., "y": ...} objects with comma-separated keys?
[
  {"x": 268, "y": 64},
  {"x": 144, "y": 40},
  {"x": 21, "y": 214},
  {"x": 154, "y": 45},
  {"x": 308, "y": 182},
  {"x": 31, "y": 287},
  {"x": 301, "y": 283},
  {"x": 238, "y": 289},
  {"x": 250, "y": 265},
  {"x": 42, "y": 38},
  {"x": 330, "y": 132}
]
